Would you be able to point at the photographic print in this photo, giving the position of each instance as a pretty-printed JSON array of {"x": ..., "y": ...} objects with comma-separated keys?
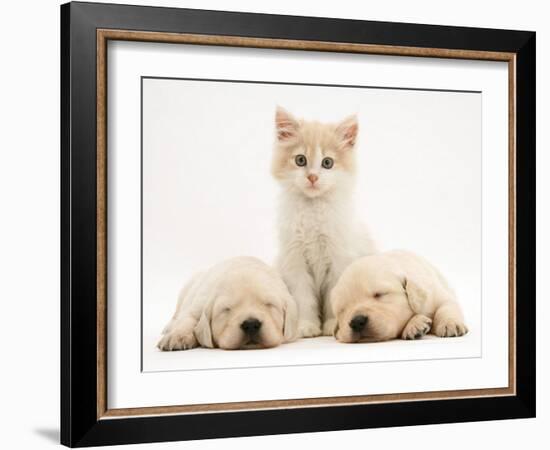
[
  {"x": 270, "y": 212},
  {"x": 293, "y": 221},
  {"x": 277, "y": 224}
]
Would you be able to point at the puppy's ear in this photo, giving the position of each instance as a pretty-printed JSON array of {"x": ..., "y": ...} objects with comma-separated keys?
[
  {"x": 336, "y": 328},
  {"x": 290, "y": 325},
  {"x": 203, "y": 330},
  {"x": 417, "y": 295},
  {"x": 332, "y": 295}
]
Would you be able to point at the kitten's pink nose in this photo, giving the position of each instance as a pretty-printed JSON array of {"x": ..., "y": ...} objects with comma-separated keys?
[{"x": 312, "y": 178}]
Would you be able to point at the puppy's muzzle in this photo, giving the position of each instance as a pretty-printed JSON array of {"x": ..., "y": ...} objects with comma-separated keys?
[
  {"x": 251, "y": 327},
  {"x": 358, "y": 323}
]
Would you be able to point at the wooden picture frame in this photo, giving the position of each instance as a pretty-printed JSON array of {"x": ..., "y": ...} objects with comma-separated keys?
[{"x": 86, "y": 418}]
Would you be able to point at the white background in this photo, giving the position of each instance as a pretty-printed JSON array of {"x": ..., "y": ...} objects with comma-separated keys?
[
  {"x": 127, "y": 387},
  {"x": 29, "y": 229},
  {"x": 208, "y": 193}
]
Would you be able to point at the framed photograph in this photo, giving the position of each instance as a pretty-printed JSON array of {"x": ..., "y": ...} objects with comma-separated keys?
[{"x": 277, "y": 224}]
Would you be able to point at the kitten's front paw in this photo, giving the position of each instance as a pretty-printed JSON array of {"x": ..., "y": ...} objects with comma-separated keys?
[
  {"x": 450, "y": 328},
  {"x": 178, "y": 340},
  {"x": 328, "y": 327},
  {"x": 307, "y": 328},
  {"x": 417, "y": 327}
]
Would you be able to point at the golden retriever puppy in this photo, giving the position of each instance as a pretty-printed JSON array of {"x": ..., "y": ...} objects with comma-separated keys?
[
  {"x": 240, "y": 303},
  {"x": 392, "y": 295}
]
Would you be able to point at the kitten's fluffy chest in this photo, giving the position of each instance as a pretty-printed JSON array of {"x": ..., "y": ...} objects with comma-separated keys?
[
  {"x": 318, "y": 230},
  {"x": 312, "y": 230}
]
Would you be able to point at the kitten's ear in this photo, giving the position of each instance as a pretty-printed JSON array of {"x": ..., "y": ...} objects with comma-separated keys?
[
  {"x": 285, "y": 124},
  {"x": 347, "y": 132}
]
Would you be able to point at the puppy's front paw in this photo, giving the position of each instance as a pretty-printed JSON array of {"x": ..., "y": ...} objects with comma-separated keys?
[
  {"x": 450, "y": 328},
  {"x": 328, "y": 327},
  {"x": 177, "y": 340},
  {"x": 308, "y": 328},
  {"x": 417, "y": 327}
]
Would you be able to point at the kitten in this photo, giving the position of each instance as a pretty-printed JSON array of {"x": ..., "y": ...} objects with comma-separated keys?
[{"x": 318, "y": 232}]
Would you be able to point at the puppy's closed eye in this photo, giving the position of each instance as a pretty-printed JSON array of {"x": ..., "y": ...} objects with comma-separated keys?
[{"x": 379, "y": 294}]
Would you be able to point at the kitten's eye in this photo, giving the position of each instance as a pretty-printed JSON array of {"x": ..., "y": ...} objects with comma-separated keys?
[
  {"x": 300, "y": 160},
  {"x": 379, "y": 294},
  {"x": 327, "y": 163},
  {"x": 225, "y": 310}
]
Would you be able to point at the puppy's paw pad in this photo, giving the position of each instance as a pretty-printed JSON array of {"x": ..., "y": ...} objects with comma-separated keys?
[
  {"x": 308, "y": 329},
  {"x": 177, "y": 341},
  {"x": 450, "y": 328},
  {"x": 328, "y": 327},
  {"x": 417, "y": 327}
]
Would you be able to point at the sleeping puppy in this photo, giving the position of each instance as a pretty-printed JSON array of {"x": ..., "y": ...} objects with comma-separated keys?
[
  {"x": 240, "y": 303},
  {"x": 394, "y": 295}
]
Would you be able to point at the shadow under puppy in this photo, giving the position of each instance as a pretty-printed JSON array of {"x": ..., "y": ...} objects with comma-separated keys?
[
  {"x": 394, "y": 294},
  {"x": 240, "y": 303}
]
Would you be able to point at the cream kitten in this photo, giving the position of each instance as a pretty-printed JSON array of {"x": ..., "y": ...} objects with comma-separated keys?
[{"x": 318, "y": 232}]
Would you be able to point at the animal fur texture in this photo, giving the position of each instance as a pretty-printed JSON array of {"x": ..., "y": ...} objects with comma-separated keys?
[
  {"x": 319, "y": 234},
  {"x": 394, "y": 294}
]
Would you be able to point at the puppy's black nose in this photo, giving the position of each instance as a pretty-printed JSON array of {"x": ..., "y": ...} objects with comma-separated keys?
[
  {"x": 358, "y": 323},
  {"x": 251, "y": 326}
]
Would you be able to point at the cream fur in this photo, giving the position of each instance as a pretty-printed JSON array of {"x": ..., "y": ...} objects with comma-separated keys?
[
  {"x": 318, "y": 231},
  {"x": 213, "y": 305},
  {"x": 401, "y": 295}
]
